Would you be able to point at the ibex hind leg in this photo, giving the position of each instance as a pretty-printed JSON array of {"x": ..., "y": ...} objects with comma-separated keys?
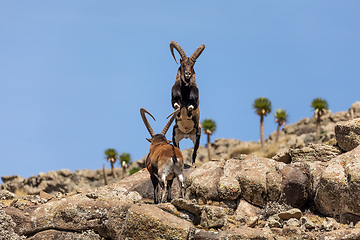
[
  {"x": 180, "y": 179},
  {"x": 155, "y": 182},
  {"x": 196, "y": 142},
  {"x": 169, "y": 184}
]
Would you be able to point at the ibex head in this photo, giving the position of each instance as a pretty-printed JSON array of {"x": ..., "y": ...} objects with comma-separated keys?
[
  {"x": 186, "y": 63},
  {"x": 154, "y": 136}
]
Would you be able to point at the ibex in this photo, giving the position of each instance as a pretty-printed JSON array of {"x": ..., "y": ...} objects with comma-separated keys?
[
  {"x": 164, "y": 161},
  {"x": 185, "y": 96}
]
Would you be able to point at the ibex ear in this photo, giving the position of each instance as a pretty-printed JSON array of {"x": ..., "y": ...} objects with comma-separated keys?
[
  {"x": 149, "y": 140},
  {"x": 169, "y": 141}
]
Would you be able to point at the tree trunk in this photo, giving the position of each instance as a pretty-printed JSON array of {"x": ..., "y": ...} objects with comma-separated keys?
[
  {"x": 352, "y": 114},
  {"x": 113, "y": 170},
  {"x": 262, "y": 132},
  {"x": 208, "y": 146},
  {"x": 318, "y": 127},
  {"x": 124, "y": 171},
  {"x": 278, "y": 132},
  {"x": 105, "y": 175}
]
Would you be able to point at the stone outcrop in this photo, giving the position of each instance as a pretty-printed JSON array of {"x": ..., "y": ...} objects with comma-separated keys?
[
  {"x": 348, "y": 134},
  {"x": 55, "y": 181},
  {"x": 242, "y": 197}
]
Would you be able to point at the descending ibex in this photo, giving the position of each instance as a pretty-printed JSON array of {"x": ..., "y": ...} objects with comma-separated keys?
[
  {"x": 164, "y": 161},
  {"x": 185, "y": 95}
]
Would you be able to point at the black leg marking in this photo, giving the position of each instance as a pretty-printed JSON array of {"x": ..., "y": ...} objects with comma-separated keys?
[
  {"x": 155, "y": 183},
  {"x": 196, "y": 145}
]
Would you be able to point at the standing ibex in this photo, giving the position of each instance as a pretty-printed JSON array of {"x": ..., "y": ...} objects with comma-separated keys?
[
  {"x": 185, "y": 95},
  {"x": 164, "y": 161}
]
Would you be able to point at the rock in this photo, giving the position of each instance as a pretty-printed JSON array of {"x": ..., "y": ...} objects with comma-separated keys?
[
  {"x": 188, "y": 205},
  {"x": 7, "y": 227},
  {"x": 342, "y": 234},
  {"x": 307, "y": 223},
  {"x": 348, "y": 134},
  {"x": 228, "y": 188},
  {"x": 292, "y": 222},
  {"x": 329, "y": 224},
  {"x": 54, "y": 181},
  {"x": 314, "y": 152},
  {"x": 144, "y": 221},
  {"x": 213, "y": 217},
  {"x": 292, "y": 213},
  {"x": 168, "y": 207},
  {"x": 273, "y": 223},
  {"x": 5, "y": 195},
  {"x": 252, "y": 178},
  {"x": 338, "y": 187},
  {"x": 56, "y": 234},
  {"x": 245, "y": 211},
  {"x": 295, "y": 185},
  {"x": 204, "y": 182},
  {"x": 282, "y": 157}
]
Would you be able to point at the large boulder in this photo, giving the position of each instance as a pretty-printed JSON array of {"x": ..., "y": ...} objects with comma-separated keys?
[
  {"x": 348, "y": 134},
  {"x": 338, "y": 188},
  {"x": 203, "y": 182},
  {"x": 314, "y": 152}
]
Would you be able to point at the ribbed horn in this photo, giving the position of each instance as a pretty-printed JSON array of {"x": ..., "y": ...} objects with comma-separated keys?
[
  {"x": 178, "y": 48},
  {"x": 173, "y": 116},
  {"x": 197, "y": 52},
  {"x": 147, "y": 125}
]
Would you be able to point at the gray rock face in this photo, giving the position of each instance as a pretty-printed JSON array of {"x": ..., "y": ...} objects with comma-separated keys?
[
  {"x": 55, "y": 181},
  {"x": 339, "y": 185},
  {"x": 244, "y": 197},
  {"x": 348, "y": 134}
]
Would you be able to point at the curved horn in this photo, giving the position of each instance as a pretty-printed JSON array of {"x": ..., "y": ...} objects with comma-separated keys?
[
  {"x": 178, "y": 48},
  {"x": 197, "y": 52},
  {"x": 173, "y": 115},
  {"x": 147, "y": 125}
]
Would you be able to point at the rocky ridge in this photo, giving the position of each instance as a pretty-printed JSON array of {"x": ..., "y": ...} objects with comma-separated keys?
[{"x": 308, "y": 191}]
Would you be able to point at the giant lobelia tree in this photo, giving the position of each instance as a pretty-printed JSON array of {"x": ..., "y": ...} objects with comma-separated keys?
[
  {"x": 262, "y": 108},
  {"x": 320, "y": 107},
  {"x": 209, "y": 127}
]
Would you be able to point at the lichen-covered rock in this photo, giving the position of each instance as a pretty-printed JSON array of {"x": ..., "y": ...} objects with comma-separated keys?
[
  {"x": 292, "y": 213},
  {"x": 339, "y": 185},
  {"x": 295, "y": 185},
  {"x": 213, "y": 217},
  {"x": 314, "y": 152},
  {"x": 57, "y": 234},
  {"x": 228, "y": 188},
  {"x": 348, "y": 134},
  {"x": 245, "y": 211},
  {"x": 7, "y": 227},
  {"x": 203, "y": 182},
  {"x": 144, "y": 221},
  {"x": 252, "y": 178}
]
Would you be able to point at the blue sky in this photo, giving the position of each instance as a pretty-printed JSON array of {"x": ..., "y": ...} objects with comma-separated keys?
[{"x": 74, "y": 74}]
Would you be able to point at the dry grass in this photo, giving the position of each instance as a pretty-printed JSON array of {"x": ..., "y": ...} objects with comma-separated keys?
[
  {"x": 271, "y": 148},
  {"x": 20, "y": 192}
]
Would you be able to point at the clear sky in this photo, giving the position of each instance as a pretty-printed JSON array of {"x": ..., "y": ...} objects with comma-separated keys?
[{"x": 74, "y": 74}]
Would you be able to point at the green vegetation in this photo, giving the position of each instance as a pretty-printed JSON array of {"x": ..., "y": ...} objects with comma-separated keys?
[
  {"x": 209, "y": 127},
  {"x": 111, "y": 156},
  {"x": 124, "y": 161},
  {"x": 134, "y": 170},
  {"x": 262, "y": 107},
  {"x": 320, "y": 107},
  {"x": 281, "y": 117}
]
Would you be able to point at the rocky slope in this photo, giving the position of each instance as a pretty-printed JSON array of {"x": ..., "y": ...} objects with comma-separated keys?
[{"x": 301, "y": 188}]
